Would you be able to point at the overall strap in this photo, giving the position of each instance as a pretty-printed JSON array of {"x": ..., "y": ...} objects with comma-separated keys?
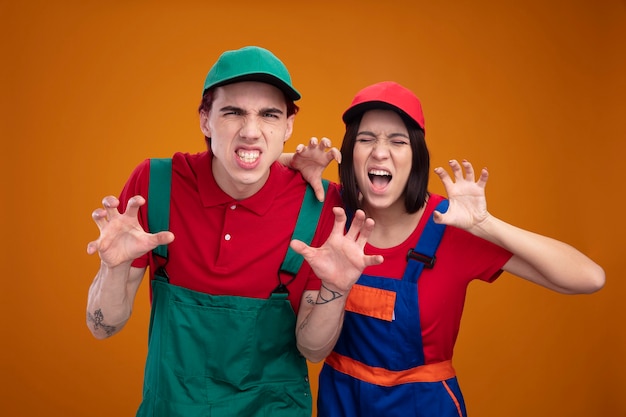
[
  {"x": 423, "y": 255},
  {"x": 159, "y": 190},
  {"x": 305, "y": 228}
]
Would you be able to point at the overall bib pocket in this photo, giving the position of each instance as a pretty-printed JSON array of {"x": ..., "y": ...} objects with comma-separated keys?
[{"x": 215, "y": 342}]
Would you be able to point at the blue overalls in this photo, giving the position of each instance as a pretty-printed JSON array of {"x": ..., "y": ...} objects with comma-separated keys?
[{"x": 377, "y": 367}]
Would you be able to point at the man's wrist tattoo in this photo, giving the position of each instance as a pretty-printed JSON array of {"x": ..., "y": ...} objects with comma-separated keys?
[
  {"x": 325, "y": 300},
  {"x": 97, "y": 318}
]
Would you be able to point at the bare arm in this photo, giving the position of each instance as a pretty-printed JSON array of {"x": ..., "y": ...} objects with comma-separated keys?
[
  {"x": 311, "y": 160},
  {"x": 111, "y": 297},
  {"x": 536, "y": 258},
  {"x": 339, "y": 263},
  {"x": 121, "y": 240}
]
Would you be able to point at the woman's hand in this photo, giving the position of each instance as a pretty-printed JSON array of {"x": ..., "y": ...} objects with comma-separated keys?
[
  {"x": 311, "y": 161},
  {"x": 466, "y": 195}
]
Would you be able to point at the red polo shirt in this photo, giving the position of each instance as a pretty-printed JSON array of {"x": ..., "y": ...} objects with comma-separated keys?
[{"x": 224, "y": 246}]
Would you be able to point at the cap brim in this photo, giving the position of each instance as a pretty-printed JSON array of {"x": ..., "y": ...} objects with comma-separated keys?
[
  {"x": 361, "y": 108},
  {"x": 264, "y": 78}
]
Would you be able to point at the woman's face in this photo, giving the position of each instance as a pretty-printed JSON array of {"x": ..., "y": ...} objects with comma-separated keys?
[{"x": 382, "y": 159}]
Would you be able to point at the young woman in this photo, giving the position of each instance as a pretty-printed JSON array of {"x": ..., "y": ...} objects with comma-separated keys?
[{"x": 393, "y": 356}]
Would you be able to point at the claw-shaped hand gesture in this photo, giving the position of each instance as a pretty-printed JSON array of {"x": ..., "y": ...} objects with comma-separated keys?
[
  {"x": 311, "y": 161},
  {"x": 468, "y": 205},
  {"x": 122, "y": 239},
  {"x": 340, "y": 261}
]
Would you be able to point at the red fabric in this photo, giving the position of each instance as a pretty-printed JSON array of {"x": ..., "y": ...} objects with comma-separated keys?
[
  {"x": 201, "y": 258},
  {"x": 461, "y": 258},
  {"x": 389, "y": 93}
]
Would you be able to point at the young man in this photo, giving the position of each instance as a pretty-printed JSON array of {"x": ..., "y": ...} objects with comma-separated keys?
[{"x": 235, "y": 312}]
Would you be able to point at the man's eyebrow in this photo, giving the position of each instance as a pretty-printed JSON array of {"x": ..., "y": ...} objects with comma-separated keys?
[
  {"x": 271, "y": 110},
  {"x": 264, "y": 110},
  {"x": 231, "y": 108}
]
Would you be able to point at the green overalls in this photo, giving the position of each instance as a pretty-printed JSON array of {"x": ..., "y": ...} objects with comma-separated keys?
[{"x": 214, "y": 356}]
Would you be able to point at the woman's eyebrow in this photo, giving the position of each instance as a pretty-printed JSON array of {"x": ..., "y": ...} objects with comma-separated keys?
[{"x": 393, "y": 135}]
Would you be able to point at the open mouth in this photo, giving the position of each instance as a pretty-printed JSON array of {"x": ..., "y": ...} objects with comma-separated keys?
[{"x": 379, "y": 178}]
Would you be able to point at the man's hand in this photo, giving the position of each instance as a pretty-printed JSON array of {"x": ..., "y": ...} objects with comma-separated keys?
[
  {"x": 340, "y": 261},
  {"x": 122, "y": 239}
]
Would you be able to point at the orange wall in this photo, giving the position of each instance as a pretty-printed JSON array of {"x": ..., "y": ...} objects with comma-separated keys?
[{"x": 534, "y": 91}]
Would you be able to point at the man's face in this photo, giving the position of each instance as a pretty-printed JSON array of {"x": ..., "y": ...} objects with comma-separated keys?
[{"x": 248, "y": 126}]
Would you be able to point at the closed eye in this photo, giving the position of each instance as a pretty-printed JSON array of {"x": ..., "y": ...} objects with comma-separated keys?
[
  {"x": 365, "y": 140},
  {"x": 395, "y": 140}
]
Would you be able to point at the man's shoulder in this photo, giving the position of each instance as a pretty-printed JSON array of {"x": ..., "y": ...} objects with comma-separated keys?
[
  {"x": 282, "y": 179},
  {"x": 190, "y": 159}
]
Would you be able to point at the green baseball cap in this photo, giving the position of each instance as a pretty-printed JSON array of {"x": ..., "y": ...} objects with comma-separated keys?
[{"x": 250, "y": 63}]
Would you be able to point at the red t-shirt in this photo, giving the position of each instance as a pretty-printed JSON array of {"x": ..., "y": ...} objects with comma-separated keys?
[
  {"x": 224, "y": 246},
  {"x": 461, "y": 258}
]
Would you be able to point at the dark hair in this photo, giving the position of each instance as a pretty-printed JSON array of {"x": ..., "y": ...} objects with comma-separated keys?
[{"x": 416, "y": 189}]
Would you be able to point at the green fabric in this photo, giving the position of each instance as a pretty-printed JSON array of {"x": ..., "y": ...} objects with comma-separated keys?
[
  {"x": 250, "y": 63},
  {"x": 159, "y": 189},
  {"x": 222, "y": 355},
  {"x": 305, "y": 228},
  {"x": 218, "y": 356}
]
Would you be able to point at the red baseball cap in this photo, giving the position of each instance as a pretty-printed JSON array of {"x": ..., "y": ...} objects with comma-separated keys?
[{"x": 386, "y": 95}]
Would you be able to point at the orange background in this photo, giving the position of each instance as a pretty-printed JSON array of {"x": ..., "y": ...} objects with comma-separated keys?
[{"x": 535, "y": 91}]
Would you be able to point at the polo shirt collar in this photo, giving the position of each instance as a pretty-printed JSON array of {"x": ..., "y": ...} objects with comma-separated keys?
[{"x": 212, "y": 195}]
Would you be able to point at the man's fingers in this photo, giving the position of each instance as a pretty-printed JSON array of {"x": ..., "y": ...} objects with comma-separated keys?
[
  {"x": 340, "y": 220},
  {"x": 356, "y": 225},
  {"x": 99, "y": 216},
  {"x": 164, "y": 238},
  {"x": 132, "y": 208},
  {"x": 374, "y": 260},
  {"x": 299, "y": 247},
  {"x": 110, "y": 202},
  {"x": 365, "y": 231},
  {"x": 92, "y": 247}
]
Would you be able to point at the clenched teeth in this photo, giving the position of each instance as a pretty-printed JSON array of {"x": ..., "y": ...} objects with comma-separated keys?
[{"x": 248, "y": 156}]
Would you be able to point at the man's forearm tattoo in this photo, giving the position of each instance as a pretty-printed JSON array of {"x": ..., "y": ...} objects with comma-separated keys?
[
  {"x": 305, "y": 323},
  {"x": 309, "y": 299},
  {"x": 325, "y": 300},
  {"x": 96, "y": 318}
]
